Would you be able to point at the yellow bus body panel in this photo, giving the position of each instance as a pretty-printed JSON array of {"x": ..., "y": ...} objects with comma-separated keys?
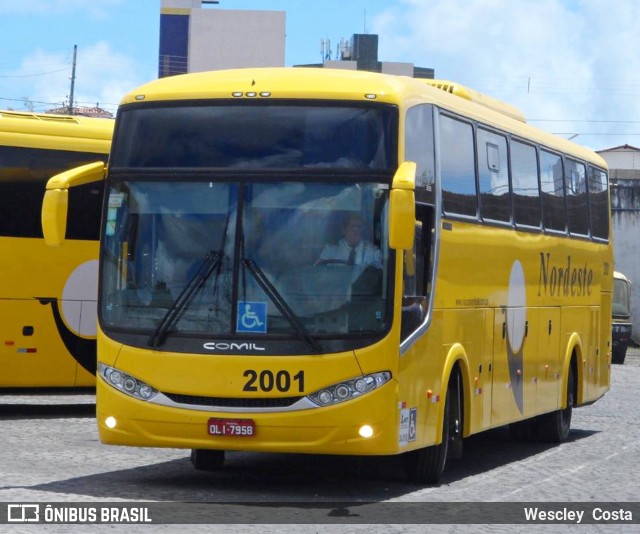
[{"x": 32, "y": 352}]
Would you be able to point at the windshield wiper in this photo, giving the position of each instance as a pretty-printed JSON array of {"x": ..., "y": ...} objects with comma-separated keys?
[
  {"x": 280, "y": 303},
  {"x": 211, "y": 262}
]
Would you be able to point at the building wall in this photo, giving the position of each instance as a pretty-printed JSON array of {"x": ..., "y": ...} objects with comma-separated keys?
[
  {"x": 624, "y": 176},
  {"x": 626, "y": 229},
  {"x": 193, "y": 39},
  {"x": 624, "y": 157},
  {"x": 225, "y": 39}
]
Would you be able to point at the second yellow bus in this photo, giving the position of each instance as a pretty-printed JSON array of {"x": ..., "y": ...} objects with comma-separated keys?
[{"x": 47, "y": 295}]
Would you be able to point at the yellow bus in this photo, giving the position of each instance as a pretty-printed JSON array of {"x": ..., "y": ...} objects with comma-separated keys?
[
  {"x": 233, "y": 314},
  {"x": 47, "y": 295}
]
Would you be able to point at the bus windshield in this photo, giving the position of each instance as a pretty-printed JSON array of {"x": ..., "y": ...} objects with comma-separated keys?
[
  {"x": 223, "y": 258},
  {"x": 257, "y": 135},
  {"x": 621, "y": 304}
]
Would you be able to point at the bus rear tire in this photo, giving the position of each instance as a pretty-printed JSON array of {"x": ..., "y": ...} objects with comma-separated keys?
[
  {"x": 554, "y": 427},
  {"x": 207, "y": 459}
]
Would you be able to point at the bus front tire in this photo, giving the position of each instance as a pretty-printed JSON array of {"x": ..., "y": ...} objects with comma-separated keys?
[
  {"x": 426, "y": 465},
  {"x": 207, "y": 460}
]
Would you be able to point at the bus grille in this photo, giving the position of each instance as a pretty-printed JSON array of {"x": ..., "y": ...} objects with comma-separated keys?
[{"x": 227, "y": 402}]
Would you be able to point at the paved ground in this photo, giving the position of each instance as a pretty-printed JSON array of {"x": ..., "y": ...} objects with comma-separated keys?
[{"x": 50, "y": 453}]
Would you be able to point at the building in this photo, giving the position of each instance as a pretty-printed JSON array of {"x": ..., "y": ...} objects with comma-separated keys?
[
  {"x": 82, "y": 110},
  {"x": 624, "y": 176},
  {"x": 194, "y": 38},
  {"x": 361, "y": 53}
]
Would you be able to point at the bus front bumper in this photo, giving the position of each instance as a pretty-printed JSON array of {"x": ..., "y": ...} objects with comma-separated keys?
[{"x": 342, "y": 428}]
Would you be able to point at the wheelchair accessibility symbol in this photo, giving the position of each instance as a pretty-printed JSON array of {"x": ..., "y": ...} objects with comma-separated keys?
[{"x": 252, "y": 317}]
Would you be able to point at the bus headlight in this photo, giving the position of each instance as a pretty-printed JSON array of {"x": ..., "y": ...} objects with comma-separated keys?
[
  {"x": 126, "y": 383},
  {"x": 349, "y": 389}
]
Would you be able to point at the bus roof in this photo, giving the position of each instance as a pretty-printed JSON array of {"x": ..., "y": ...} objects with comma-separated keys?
[
  {"x": 482, "y": 99},
  {"x": 338, "y": 84},
  {"x": 55, "y": 132},
  {"x": 619, "y": 276}
]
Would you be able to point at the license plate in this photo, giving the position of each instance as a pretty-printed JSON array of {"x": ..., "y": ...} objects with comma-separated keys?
[{"x": 242, "y": 428}]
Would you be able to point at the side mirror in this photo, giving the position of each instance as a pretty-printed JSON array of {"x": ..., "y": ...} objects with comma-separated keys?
[
  {"x": 54, "y": 216},
  {"x": 402, "y": 207},
  {"x": 55, "y": 205}
]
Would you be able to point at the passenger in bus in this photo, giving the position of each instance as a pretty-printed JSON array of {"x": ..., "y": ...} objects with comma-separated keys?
[{"x": 352, "y": 249}]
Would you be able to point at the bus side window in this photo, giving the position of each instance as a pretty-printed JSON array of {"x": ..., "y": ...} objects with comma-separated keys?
[
  {"x": 554, "y": 214},
  {"x": 493, "y": 174},
  {"x": 524, "y": 179},
  {"x": 577, "y": 202},
  {"x": 457, "y": 167},
  {"x": 598, "y": 203},
  {"x": 417, "y": 273}
]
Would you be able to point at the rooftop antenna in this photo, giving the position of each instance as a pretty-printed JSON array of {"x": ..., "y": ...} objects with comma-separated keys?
[{"x": 325, "y": 49}]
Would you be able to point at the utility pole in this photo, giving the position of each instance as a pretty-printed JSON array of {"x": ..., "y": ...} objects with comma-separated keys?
[{"x": 73, "y": 79}]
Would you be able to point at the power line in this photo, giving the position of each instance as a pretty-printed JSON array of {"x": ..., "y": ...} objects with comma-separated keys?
[
  {"x": 31, "y": 75},
  {"x": 27, "y": 99},
  {"x": 585, "y": 120},
  {"x": 576, "y": 134}
]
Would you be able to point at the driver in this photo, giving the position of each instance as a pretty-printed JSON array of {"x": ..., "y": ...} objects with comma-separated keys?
[{"x": 352, "y": 249}]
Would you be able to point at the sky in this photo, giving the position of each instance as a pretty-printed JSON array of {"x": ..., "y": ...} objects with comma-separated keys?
[{"x": 571, "y": 66}]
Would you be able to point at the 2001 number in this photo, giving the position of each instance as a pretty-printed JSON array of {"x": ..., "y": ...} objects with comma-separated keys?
[{"x": 268, "y": 380}]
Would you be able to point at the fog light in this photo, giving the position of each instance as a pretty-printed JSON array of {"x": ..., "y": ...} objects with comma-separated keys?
[
  {"x": 110, "y": 422},
  {"x": 366, "y": 431}
]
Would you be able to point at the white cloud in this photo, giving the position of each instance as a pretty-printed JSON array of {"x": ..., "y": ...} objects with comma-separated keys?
[
  {"x": 573, "y": 60},
  {"x": 44, "y": 77},
  {"x": 102, "y": 76}
]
